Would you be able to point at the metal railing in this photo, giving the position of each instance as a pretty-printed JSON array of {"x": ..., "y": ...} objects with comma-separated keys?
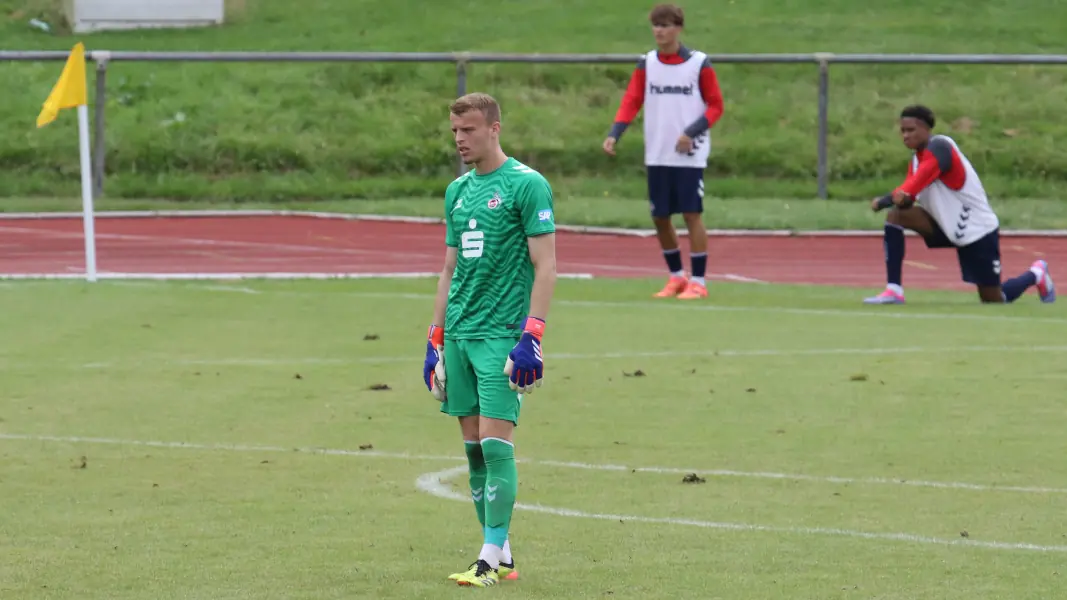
[{"x": 822, "y": 60}]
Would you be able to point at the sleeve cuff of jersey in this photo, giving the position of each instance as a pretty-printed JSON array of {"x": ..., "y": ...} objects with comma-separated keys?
[
  {"x": 698, "y": 127},
  {"x": 541, "y": 230},
  {"x": 617, "y": 130},
  {"x": 452, "y": 244}
]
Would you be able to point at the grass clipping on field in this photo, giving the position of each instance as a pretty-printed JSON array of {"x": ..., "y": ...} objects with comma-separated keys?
[
  {"x": 52, "y": 12},
  {"x": 236, "y": 10}
]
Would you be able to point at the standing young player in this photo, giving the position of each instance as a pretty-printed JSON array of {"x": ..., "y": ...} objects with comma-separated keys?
[
  {"x": 484, "y": 349},
  {"x": 953, "y": 212},
  {"x": 680, "y": 93}
]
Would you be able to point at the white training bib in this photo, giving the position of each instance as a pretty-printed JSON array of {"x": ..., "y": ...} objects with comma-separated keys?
[
  {"x": 672, "y": 103},
  {"x": 965, "y": 214}
]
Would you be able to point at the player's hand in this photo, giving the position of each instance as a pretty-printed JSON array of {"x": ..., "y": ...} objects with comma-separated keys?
[
  {"x": 876, "y": 204},
  {"x": 903, "y": 199},
  {"x": 525, "y": 367},
  {"x": 684, "y": 145},
  {"x": 609, "y": 145},
  {"x": 433, "y": 370}
]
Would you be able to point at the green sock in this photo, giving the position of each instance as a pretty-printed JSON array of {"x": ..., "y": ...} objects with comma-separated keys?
[
  {"x": 476, "y": 462},
  {"x": 501, "y": 486}
]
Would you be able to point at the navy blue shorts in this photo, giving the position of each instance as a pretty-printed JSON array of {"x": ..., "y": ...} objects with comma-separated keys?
[
  {"x": 979, "y": 260},
  {"x": 673, "y": 190}
]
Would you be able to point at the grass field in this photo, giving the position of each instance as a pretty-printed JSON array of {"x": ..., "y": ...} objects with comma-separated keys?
[
  {"x": 845, "y": 452},
  {"x": 266, "y": 132}
]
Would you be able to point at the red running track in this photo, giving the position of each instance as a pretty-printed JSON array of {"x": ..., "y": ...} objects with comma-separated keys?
[{"x": 307, "y": 244}]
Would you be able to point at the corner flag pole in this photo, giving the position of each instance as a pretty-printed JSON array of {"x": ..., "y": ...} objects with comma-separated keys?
[{"x": 71, "y": 91}]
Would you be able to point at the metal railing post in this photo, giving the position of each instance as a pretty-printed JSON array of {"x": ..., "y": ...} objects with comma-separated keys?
[
  {"x": 102, "y": 58},
  {"x": 824, "y": 121},
  {"x": 461, "y": 89}
]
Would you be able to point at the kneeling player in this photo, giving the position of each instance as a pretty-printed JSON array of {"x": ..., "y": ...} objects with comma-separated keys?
[{"x": 953, "y": 212}]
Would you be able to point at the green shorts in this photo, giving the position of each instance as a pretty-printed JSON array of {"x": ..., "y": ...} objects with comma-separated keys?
[{"x": 475, "y": 383}]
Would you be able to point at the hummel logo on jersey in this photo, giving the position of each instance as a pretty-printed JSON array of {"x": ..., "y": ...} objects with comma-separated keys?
[
  {"x": 457, "y": 205},
  {"x": 684, "y": 90}
]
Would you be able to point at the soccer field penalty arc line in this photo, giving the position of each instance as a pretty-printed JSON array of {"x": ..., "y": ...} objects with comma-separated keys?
[{"x": 431, "y": 483}]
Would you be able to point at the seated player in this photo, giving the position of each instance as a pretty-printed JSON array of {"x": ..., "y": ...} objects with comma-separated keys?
[{"x": 952, "y": 212}]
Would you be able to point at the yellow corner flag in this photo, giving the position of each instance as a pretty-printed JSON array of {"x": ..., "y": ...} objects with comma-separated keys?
[{"x": 69, "y": 91}]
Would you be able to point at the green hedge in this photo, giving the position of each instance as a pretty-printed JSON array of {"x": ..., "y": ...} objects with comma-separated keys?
[{"x": 185, "y": 129}]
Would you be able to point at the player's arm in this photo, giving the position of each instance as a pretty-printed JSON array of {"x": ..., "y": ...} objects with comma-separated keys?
[
  {"x": 539, "y": 224},
  {"x": 632, "y": 101},
  {"x": 543, "y": 256},
  {"x": 433, "y": 369},
  {"x": 712, "y": 95},
  {"x": 935, "y": 163},
  {"x": 444, "y": 282},
  {"x": 525, "y": 364},
  {"x": 433, "y": 372}
]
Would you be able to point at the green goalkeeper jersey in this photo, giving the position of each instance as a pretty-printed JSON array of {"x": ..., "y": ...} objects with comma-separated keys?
[{"x": 489, "y": 218}]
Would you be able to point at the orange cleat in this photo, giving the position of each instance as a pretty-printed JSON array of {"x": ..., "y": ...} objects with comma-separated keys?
[
  {"x": 693, "y": 291},
  {"x": 675, "y": 285}
]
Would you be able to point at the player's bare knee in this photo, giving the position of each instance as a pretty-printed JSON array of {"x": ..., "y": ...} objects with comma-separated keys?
[
  {"x": 501, "y": 429},
  {"x": 990, "y": 294},
  {"x": 892, "y": 217},
  {"x": 663, "y": 224},
  {"x": 664, "y": 221},
  {"x": 469, "y": 426}
]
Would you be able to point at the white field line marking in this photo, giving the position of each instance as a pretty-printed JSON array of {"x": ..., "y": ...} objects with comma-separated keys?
[
  {"x": 724, "y": 353},
  {"x": 432, "y": 483},
  {"x": 212, "y": 242},
  {"x": 230, "y": 288},
  {"x": 631, "y": 269},
  {"x": 947, "y": 485},
  {"x": 108, "y": 275},
  {"x": 668, "y": 305},
  {"x": 889, "y": 313},
  {"x": 127, "y": 214},
  {"x": 214, "y": 288}
]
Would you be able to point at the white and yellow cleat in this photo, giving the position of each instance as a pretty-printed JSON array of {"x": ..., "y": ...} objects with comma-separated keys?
[
  {"x": 506, "y": 571},
  {"x": 479, "y": 575}
]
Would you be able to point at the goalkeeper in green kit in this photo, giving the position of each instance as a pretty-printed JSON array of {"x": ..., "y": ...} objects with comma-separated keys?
[{"x": 484, "y": 348}]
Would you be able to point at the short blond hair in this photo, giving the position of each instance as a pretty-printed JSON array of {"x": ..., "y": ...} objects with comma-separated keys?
[{"x": 478, "y": 101}]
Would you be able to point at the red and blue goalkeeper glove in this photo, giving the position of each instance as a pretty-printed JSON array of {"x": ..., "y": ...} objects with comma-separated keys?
[
  {"x": 433, "y": 370},
  {"x": 525, "y": 367}
]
